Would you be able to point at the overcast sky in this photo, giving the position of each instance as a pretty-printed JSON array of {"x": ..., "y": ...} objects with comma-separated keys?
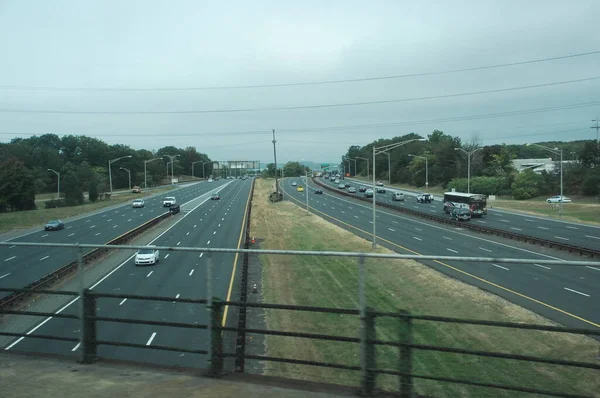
[{"x": 200, "y": 44}]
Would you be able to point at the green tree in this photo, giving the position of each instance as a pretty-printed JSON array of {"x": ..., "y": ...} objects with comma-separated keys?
[
  {"x": 72, "y": 189},
  {"x": 17, "y": 186},
  {"x": 93, "y": 190},
  {"x": 591, "y": 184},
  {"x": 527, "y": 185}
]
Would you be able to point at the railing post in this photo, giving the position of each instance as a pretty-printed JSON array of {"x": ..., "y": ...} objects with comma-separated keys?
[
  {"x": 216, "y": 338},
  {"x": 368, "y": 359},
  {"x": 88, "y": 328},
  {"x": 405, "y": 335}
]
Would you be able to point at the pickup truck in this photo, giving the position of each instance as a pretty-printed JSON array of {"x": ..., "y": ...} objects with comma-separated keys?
[{"x": 169, "y": 201}]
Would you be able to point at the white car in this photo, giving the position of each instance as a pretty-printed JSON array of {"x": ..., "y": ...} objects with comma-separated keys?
[
  {"x": 337, "y": 181},
  {"x": 557, "y": 199},
  {"x": 210, "y": 180},
  {"x": 169, "y": 201},
  {"x": 294, "y": 184},
  {"x": 138, "y": 203},
  {"x": 379, "y": 183},
  {"x": 149, "y": 256}
]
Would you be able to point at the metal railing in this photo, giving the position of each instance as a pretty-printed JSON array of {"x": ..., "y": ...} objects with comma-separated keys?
[{"x": 368, "y": 340}]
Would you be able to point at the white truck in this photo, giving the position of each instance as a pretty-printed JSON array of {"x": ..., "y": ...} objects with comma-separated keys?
[{"x": 169, "y": 201}]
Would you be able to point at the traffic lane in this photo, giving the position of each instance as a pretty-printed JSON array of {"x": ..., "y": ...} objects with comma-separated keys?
[
  {"x": 162, "y": 280},
  {"x": 589, "y": 276},
  {"x": 38, "y": 262},
  {"x": 534, "y": 281},
  {"x": 577, "y": 235},
  {"x": 544, "y": 228},
  {"x": 121, "y": 278},
  {"x": 190, "y": 283}
]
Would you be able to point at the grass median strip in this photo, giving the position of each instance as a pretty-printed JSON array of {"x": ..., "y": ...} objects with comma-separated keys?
[{"x": 393, "y": 285}]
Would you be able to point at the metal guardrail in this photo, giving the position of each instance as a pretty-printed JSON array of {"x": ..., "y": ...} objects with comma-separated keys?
[
  {"x": 58, "y": 274},
  {"x": 593, "y": 253},
  {"x": 369, "y": 369}
]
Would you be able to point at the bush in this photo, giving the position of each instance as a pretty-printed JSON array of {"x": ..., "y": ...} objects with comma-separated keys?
[
  {"x": 591, "y": 185},
  {"x": 54, "y": 203},
  {"x": 524, "y": 193}
]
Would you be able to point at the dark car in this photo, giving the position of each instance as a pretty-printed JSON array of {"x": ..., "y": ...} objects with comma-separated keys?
[
  {"x": 175, "y": 209},
  {"x": 318, "y": 191},
  {"x": 460, "y": 214},
  {"x": 347, "y": 185},
  {"x": 54, "y": 225},
  {"x": 362, "y": 189},
  {"x": 215, "y": 197}
]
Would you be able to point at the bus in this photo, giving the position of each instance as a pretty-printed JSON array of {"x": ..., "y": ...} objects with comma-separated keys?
[{"x": 477, "y": 203}]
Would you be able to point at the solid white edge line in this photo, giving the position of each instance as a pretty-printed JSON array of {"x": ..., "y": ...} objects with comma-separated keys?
[{"x": 597, "y": 269}]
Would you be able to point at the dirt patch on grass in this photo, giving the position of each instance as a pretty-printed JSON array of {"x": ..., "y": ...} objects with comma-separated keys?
[{"x": 393, "y": 284}]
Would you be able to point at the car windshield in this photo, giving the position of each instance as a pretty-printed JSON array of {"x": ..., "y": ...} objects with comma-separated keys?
[
  {"x": 169, "y": 198},
  {"x": 145, "y": 251},
  {"x": 53, "y": 222}
]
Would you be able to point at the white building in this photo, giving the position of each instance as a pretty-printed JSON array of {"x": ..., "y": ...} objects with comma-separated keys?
[{"x": 538, "y": 165}]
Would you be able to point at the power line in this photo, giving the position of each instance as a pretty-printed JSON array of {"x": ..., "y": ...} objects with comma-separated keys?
[
  {"x": 313, "y": 83},
  {"x": 345, "y": 128},
  {"x": 339, "y": 105}
]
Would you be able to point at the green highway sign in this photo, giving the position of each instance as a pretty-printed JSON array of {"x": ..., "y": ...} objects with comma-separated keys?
[{"x": 325, "y": 165}]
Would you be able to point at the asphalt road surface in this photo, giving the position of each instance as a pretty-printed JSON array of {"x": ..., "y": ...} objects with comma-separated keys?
[
  {"x": 204, "y": 223},
  {"x": 568, "y": 295},
  {"x": 20, "y": 266},
  {"x": 575, "y": 234}
]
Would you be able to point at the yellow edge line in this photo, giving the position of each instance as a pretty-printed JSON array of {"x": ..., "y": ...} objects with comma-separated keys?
[
  {"x": 458, "y": 270},
  {"x": 236, "y": 259}
]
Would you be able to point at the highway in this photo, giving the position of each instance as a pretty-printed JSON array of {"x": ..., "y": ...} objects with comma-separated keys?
[
  {"x": 204, "y": 223},
  {"x": 575, "y": 234},
  {"x": 567, "y": 295},
  {"x": 20, "y": 266}
]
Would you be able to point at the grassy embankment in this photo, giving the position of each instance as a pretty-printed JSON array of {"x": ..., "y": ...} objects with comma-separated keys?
[
  {"x": 582, "y": 209},
  {"x": 394, "y": 284},
  {"x": 27, "y": 219}
]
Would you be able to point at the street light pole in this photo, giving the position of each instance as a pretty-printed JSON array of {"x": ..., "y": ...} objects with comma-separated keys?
[
  {"x": 172, "y": 157},
  {"x": 426, "y": 169},
  {"x": 377, "y": 151},
  {"x": 469, "y": 155},
  {"x": 109, "y": 169},
  {"x": 367, "y": 159},
  {"x": 389, "y": 169},
  {"x": 193, "y": 163},
  {"x": 145, "y": 163},
  {"x": 58, "y": 189},
  {"x": 556, "y": 151},
  {"x": 203, "y": 175},
  {"x": 129, "y": 173}
]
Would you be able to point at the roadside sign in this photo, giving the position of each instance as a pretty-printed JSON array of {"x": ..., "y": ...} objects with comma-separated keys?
[{"x": 324, "y": 165}]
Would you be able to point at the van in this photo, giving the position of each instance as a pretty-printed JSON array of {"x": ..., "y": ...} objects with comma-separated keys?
[{"x": 398, "y": 196}]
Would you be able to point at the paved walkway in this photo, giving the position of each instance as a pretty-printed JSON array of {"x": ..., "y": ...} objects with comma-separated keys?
[{"x": 26, "y": 376}]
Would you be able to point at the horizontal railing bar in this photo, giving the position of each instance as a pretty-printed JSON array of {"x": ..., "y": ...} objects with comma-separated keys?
[
  {"x": 40, "y": 336},
  {"x": 293, "y": 334},
  {"x": 151, "y": 347},
  {"x": 295, "y": 361},
  {"x": 480, "y": 384},
  {"x": 514, "y": 325},
  {"x": 36, "y": 313},
  {"x": 315, "y": 253},
  {"x": 144, "y": 322},
  {"x": 148, "y": 298},
  {"x": 346, "y": 311},
  {"x": 490, "y": 354},
  {"x": 39, "y": 291}
]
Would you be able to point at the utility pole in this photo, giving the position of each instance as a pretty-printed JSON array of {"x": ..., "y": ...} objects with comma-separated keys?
[
  {"x": 275, "y": 160},
  {"x": 597, "y": 127}
]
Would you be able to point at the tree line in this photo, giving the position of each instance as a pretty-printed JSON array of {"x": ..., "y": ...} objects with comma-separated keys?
[
  {"x": 492, "y": 171},
  {"x": 83, "y": 166}
]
